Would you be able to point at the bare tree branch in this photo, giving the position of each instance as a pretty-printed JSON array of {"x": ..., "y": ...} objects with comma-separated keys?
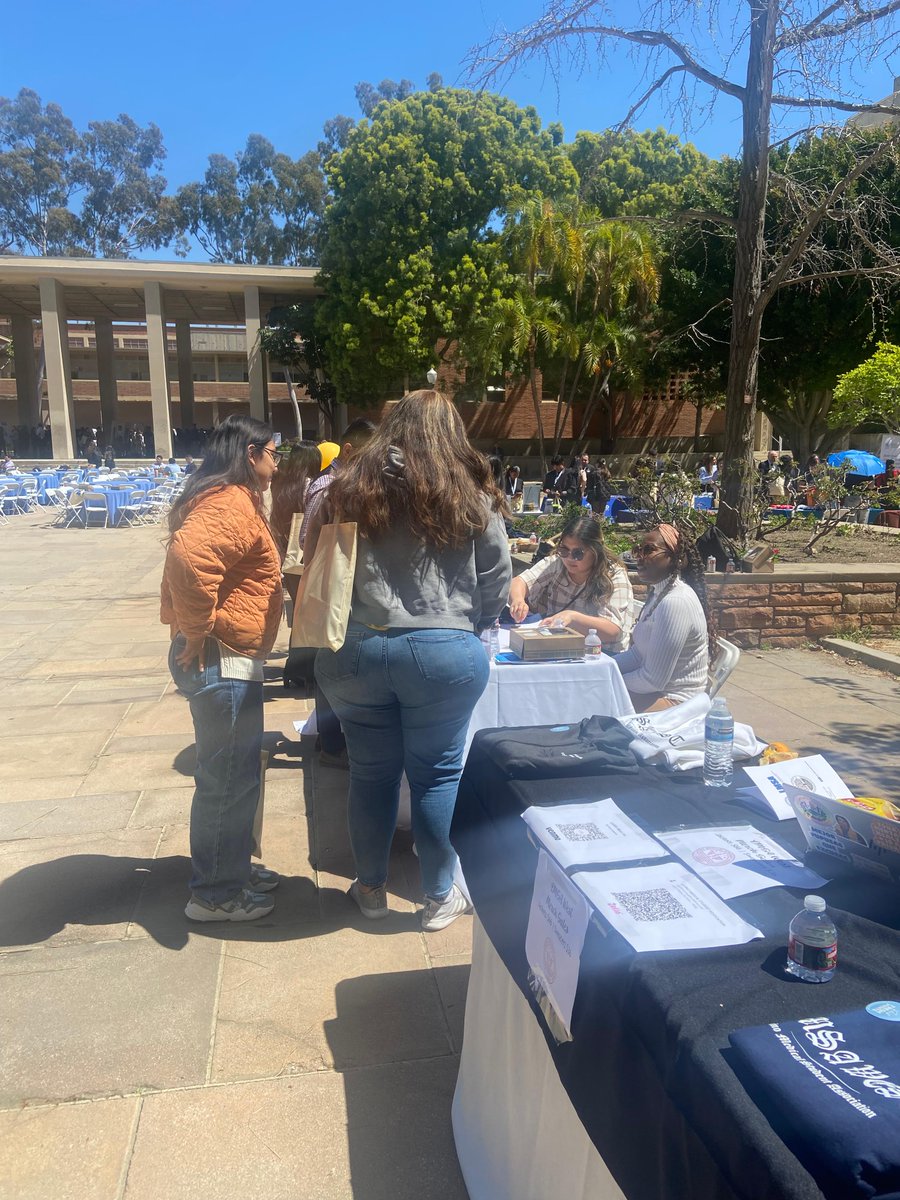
[
  {"x": 814, "y": 30},
  {"x": 813, "y": 220},
  {"x": 658, "y": 83}
]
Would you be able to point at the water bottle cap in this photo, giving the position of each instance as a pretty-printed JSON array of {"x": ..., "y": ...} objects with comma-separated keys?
[{"x": 813, "y": 903}]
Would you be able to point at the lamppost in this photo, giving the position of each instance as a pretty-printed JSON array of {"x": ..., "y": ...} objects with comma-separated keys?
[{"x": 431, "y": 376}]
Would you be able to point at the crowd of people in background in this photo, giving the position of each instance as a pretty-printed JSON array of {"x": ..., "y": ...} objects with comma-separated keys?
[{"x": 127, "y": 441}]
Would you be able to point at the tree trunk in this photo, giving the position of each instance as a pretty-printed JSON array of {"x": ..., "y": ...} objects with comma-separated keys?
[
  {"x": 598, "y": 386},
  {"x": 698, "y": 424},
  {"x": 294, "y": 405},
  {"x": 747, "y": 311},
  {"x": 538, "y": 412}
]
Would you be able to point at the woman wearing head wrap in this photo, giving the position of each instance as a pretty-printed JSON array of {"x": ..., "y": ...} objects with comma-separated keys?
[{"x": 674, "y": 637}]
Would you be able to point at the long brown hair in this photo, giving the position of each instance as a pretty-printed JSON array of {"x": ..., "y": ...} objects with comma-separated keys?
[
  {"x": 420, "y": 472},
  {"x": 289, "y": 489},
  {"x": 599, "y": 585}
]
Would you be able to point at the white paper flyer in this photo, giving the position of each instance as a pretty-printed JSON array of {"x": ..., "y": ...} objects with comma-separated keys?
[
  {"x": 812, "y": 774},
  {"x": 735, "y": 860},
  {"x": 556, "y": 927},
  {"x": 663, "y": 907},
  {"x": 593, "y": 832}
]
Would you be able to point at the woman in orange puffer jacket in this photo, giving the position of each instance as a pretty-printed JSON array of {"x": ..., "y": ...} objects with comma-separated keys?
[{"x": 222, "y": 598}]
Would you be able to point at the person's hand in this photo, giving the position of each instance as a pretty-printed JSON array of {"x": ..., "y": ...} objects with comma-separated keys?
[
  {"x": 561, "y": 618},
  {"x": 518, "y": 610},
  {"x": 195, "y": 648}
]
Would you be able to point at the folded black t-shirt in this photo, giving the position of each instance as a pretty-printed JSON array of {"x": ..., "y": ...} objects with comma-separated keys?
[{"x": 830, "y": 1087}]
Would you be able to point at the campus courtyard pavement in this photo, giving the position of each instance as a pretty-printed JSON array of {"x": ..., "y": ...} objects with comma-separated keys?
[{"x": 308, "y": 1056}]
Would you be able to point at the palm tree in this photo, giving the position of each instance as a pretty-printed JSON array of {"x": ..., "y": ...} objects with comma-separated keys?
[{"x": 607, "y": 280}]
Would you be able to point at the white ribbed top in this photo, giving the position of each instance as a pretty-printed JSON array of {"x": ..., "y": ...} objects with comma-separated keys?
[{"x": 669, "y": 648}]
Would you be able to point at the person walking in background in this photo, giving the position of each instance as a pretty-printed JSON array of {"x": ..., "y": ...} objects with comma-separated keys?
[
  {"x": 674, "y": 637},
  {"x": 109, "y": 458},
  {"x": 289, "y": 489},
  {"x": 335, "y": 458},
  {"x": 221, "y": 597},
  {"x": 432, "y": 569}
]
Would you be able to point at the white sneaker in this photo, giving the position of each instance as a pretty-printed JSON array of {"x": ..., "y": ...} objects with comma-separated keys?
[{"x": 438, "y": 914}]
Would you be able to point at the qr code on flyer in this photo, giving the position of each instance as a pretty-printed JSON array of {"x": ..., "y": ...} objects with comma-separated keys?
[
  {"x": 656, "y": 904},
  {"x": 582, "y": 831}
]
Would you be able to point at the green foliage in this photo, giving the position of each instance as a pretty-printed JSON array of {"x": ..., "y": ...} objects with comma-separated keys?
[
  {"x": 259, "y": 207},
  {"x": 871, "y": 391},
  {"x": 409, "y": 255},
  {"x": 289, "y": 339},
  {"x": 635, "y": 174},
  {"x": 99, "y": 193}
]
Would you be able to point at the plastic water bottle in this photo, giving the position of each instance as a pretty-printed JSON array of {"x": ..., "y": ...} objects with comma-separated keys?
[
  {"x": 592, "y": 645},
  {"x": 718, "y": 757},
  {"x": 812, "y": 943},
  {"x": 491, "y": 639}
]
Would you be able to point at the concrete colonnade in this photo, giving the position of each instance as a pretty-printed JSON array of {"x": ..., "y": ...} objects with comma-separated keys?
[{"x": 59, "y": 373}]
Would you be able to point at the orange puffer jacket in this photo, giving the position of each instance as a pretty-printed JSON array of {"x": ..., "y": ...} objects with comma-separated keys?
[{"x": 223, "y": 575}]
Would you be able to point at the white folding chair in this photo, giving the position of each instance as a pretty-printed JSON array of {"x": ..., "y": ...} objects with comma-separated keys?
[
  {"x": 56, "y": 497},
  {"x": 94, "y": 505},
  {"x": 727, "y": 656},
  {"x": 71, "y": 512},
  {"x": 12, "y": 502},
  {"x": 136, "y": 511}
]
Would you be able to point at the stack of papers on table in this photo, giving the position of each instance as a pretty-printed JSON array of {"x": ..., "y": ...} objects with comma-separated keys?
[
  {"x": 580, "y": 835},
  {"x": 657, "y": 906},
  {"x": 663, "y": 907},
  {"x": 768, "y": 795},
  {"x": 735, "y": 860}
]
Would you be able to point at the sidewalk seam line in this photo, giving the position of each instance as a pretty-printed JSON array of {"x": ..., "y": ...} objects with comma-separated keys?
[
  {"x": 129, "y": 1149},
  {"x": 215, "y": 1015}
]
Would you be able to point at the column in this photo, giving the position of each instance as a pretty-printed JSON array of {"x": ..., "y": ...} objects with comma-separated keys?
[
  {"x": 26, "y": 372},
  {"x": 185, "y": 372},
  {"x": 106, "y": 375},
  {"x": 159, "y": 373},
  {"x": 256, "y": 359},
  {"x": 59, "y": 373}
]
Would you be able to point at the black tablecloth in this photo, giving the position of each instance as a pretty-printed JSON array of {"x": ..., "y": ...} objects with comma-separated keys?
[{"x": 648, "y": 1068}]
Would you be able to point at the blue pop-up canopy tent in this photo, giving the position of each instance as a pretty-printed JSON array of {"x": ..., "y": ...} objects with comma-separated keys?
[{"x": 857, "y": 462}]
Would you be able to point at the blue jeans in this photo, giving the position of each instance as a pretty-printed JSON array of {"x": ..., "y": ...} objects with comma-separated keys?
[
  {"x": 228, "y": 729},
  {"x": 404, "y": 699}
]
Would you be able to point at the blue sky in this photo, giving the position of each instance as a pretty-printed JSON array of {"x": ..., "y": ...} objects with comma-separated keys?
[{"x": 208, "y": 77}]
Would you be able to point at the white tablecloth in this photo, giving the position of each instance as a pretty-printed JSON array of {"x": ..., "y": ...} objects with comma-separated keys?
[
  {"x": 547, "y": 693},
  {"x": 517, "y": 1135}
]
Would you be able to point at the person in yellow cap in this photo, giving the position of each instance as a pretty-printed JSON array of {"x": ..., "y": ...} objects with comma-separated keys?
[{"x": 333, "y": 750}]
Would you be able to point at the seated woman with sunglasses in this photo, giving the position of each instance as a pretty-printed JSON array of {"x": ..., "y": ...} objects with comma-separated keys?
[
  {"x": 580, "y": 585},
  {"x": 674, "y": 636}
]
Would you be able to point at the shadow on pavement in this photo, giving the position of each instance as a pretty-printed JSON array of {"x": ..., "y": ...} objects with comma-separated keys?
[
  {"x": 104, "y": 890},
  {"x": 398, "y": 1113}
]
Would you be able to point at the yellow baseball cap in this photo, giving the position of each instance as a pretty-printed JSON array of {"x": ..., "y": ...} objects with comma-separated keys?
[{"x": 329, "y": 452}]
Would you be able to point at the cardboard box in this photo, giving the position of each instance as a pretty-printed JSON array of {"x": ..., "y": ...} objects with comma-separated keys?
[
  {"x": 852, "y": 830},
  {"x": 533, "y": 644}
]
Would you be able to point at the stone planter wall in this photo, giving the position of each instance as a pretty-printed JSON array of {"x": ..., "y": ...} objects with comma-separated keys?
[{"x": 792, "y": 606}]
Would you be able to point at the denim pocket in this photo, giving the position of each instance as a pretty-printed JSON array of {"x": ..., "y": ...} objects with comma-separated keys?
[
  {"x": 192, "y": 679},
  {"x": 343, "y": 663},
  {"x": 444, "y": 657}
]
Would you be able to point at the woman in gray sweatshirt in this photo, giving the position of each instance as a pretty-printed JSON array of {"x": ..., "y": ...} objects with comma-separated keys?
[{"x": 432, "y": 570}]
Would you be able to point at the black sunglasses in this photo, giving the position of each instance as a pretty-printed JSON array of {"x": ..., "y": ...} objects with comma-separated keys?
[{"x": 576, "y": 555}]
